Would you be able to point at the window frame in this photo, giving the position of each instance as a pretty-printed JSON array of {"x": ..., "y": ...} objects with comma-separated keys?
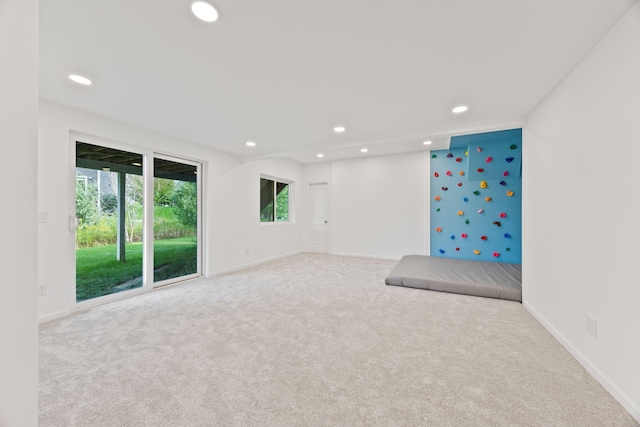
[{"x": 291, "y": 185}]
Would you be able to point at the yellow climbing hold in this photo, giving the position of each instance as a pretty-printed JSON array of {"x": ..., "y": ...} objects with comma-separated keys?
[
  {"x": 460, "y": 213},
  {"x": 483, "y": 184},
  {"x": 509, "y": 193},
  {"x": 461, "y": 173},
  {"x": 477, "y": 252}
]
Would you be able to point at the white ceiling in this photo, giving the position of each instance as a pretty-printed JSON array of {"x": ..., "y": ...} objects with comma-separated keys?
[{"x": 283, "y": 73}]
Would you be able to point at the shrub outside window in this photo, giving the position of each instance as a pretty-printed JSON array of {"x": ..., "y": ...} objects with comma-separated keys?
[{"x": 274, "y": 200}]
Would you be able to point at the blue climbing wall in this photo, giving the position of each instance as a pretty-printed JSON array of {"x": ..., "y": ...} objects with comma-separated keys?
[{"x": 476, "y": 204}]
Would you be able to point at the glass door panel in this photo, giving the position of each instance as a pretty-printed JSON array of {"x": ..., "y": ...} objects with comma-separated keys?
[
  {"x": 175, "y": 219},
  {"x": 109, "y": 207}
]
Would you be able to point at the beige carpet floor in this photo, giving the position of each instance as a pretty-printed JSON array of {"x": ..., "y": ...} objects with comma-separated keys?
[{"x": 312, "y": 340}]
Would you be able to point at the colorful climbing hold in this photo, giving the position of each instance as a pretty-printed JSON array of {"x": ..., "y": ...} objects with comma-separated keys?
[
  {"x": 458, "y": 159},
  {"x": 488, "y": 199},
  {"x": 441, "y": 251},
  {"x": 479, "y": 150},
  {"x": 503, "y": 215},
  {"x": 496, "y": 254},
  {"x": 466, "y": 221},
  {"x": 513, "y": 146},
  {"x": 449, "y": 155},
  {"x": 439, "y": 229},
  {"x": 466, "y": 153},
  {"x": 459, "y": 184},
  {"x": 480, "y": 211},
  {"x": 497, "y": 223},
  {"x": 483, "y": 184},
  {"x": 510, "y": 193},
  {"x": 480, "y": 170},
  {"x": 453, "y": 236},
  {"x": 438, "y": 210},
  {"x": 464, "y": 235},
  {"x": 503, "y": 183},
  {"x": 465, "y": 199},
  {"x": 505, "y": 173},
  {"x": 489, "y": 159},
  {"x": 477, "y": 252},
  {"x": 433, "y": 156},
  {"x": 509, "y": 159},
  {"x": 457, "y": 249},
  {"x": 437, "y": 198},
  {"x": 461, "y": 173},
  {"x": 460, "y": 213},
  {"x": 445, "y": 188},
  {"x": 448, "y": 173},
  {"x": 507, "y": 235},
  {"x": 508, "y": 249},
  {"x": 477, "y": 193},
  {"x": 483, "y": 237},
  {"x": 436, "y": 174}
]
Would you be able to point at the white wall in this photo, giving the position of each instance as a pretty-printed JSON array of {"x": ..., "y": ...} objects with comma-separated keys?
[
  {"x": 379, "y": 205},
  {"x": 232, "y": 208},
  {"x": 581, "y": 234},
  {"x": 18, "y": 133}
]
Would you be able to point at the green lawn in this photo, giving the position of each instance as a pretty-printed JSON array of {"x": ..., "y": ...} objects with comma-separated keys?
[{"x": 98, "y": 272}]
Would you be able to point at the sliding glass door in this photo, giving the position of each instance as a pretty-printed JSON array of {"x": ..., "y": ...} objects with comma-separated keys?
[
  {"x": 176, "y": 223},
  {"x": 115, "y": 249},
  {"x": 109, "y": 210}
]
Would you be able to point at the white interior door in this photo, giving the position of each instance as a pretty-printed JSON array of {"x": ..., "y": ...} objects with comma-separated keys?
[{"x": 318, "y": 218}]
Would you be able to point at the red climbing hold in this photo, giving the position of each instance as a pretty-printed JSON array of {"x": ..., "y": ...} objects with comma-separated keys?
[
  {"x": 480, "y": 170},
  {"x": 483, "y": 237},
  {"x": 503, "y": 215},
  {"x": 489, "y": 159}
]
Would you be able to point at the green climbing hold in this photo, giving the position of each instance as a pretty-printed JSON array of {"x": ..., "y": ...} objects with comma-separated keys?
[
  {"x": 466, "y": 221},
  {"x": 433, "y": 156},
  {"x": 438, "y": 210},
  {"x": 477, "y": 193},
  {"x": 513, "y": 146},
  {"x": 508, "y": 249}
]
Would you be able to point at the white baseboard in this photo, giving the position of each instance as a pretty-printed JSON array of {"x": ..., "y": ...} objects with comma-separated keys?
[
  {"x": 250, "y": 264},
  {"x": 53, "y": 316},
  {"x": 627, "y": 403}
]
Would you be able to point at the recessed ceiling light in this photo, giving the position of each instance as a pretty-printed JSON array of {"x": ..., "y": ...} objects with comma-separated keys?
[
  {"x": 80, "y": 79},
  {"x": 427, "y": 142},
  {"x": 250, "y": 144},
  {"x": 205, "y": 11},
  {"x": 320, "y": 155},
  {"x": 339, "y": 129},
  {"x": 460, "y": 109},
  {"x": 364, "y": 150}
]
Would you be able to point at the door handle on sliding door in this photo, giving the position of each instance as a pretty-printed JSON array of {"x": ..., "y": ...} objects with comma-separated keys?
[{"x": 73, "y": 222}]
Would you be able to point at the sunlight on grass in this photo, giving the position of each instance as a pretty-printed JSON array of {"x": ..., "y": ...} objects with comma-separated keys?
[{"x": 98, "y": 273}]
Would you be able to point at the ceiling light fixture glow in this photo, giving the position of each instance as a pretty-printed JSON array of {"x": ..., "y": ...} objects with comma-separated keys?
[
  {"x": 460, "y": 109},
  {"x": 250, "y": 144},
  {"x": 364, "y": 150},
  {"x": 80, "y": 79},
  {"x": 320, "y": 155},
  {"x": 136, "y": 164},
  {"x": 427, "y": 143},
  {"x": 205, "y": 11},
  {"x": 339, "y": 129}
]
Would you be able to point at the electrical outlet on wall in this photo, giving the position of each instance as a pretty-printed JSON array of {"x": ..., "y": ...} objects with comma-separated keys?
[
  {"x": 42, "y": 289},
  {"x": 592, "y": 325}
]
